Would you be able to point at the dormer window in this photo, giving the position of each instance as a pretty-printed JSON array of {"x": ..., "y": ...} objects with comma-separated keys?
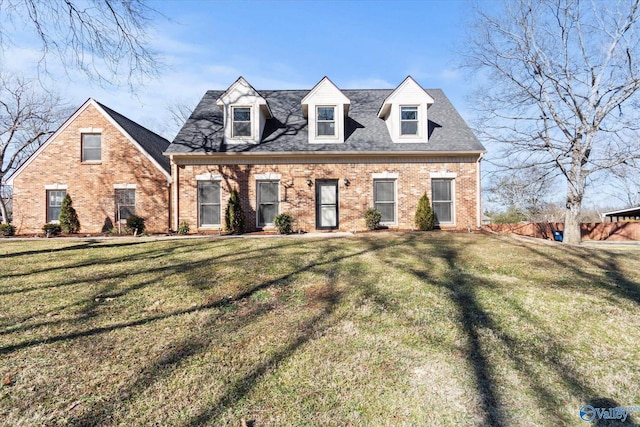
[
  {"x": 326, "y": 121},
  {"x": 241, "y": 122},
  {"x": 405, "y": 113},
  {"x": 409, "y": 121}
]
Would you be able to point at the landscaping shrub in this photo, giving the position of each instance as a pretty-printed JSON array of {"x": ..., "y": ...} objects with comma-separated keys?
[
  {"x": 372, "y": 218},
  {"x": 425, "y": 218},
  {"x": 183, "y": 228},
  {"x": 69, "y": 222},
  {"x": 233, "y": 215},
  {"x": 7, "y": 230},
  {"x": 135, "y": 224},
  {"x": 284, "y": 223},
  {"x": 52, "y": 229}
]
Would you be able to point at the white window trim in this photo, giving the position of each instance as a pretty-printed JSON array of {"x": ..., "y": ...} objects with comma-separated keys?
[
  {"x": 335, "y": 122},
  {"x": 214, "y": 178},
  {"x": 269, "y": 176},
  {"x": 208, "y": 177},
  {"x": 417, "y": 135},
  {"x": 257, "y": 181},
  {"x": 251, "y": 119},
  {"x": 135, "y": 198},
  {"x": 386, "y": 175},
  {"x": 444, "y": 175},
  {"x": 453, "y": 199},
  {"x": 395, "y": 196},
  {"x": 82, "y": 134},
  {"x": 55, "y": 187}
]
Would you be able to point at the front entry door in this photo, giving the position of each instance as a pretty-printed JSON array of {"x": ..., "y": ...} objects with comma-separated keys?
[{"x": 327, "y": 204}]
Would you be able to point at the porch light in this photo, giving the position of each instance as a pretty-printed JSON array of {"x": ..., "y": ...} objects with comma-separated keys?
[
  {"x": 309, "y": 182},
  {"x": 346, "y": 182}
]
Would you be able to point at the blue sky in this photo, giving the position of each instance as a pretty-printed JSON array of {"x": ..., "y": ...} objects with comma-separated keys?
[{"x": 283, "y": 45}]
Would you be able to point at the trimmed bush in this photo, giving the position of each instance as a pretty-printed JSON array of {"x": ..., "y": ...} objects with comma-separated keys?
[
  {"x": 7, "y": 230},
  {"x": 135, "y": 224},
  {"x": 69, "y": 222},
  {"x": 233, "y": 215},
  {"x": 51, "y": 229},
  {"x": 284, "y": 223},
  {"x": 372, "y": 218},
  {"x": 425, "y": 219},
  {"x": 183, "y": 228}
]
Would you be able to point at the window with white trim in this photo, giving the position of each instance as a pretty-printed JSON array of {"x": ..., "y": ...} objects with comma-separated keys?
[
  {"x": 442, "y": 199},
  {"x": 409, "y": 121},
  {"x": 325, "y": 121},
  {"x": 208, "y": 203},
  {"x": 268, "y": 201},
  {"x": 91, "y": 147},
  {"x": 384, "y": 199},
  {"x": 125, "y": 203},
  {"x": 241, "y": 122},
  {"x": 54, "y": 203}
]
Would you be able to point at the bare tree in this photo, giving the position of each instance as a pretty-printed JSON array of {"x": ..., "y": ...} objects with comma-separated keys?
[
  {"x": 28, "y": 117},
  {"x": 563, "y": 75},
  {"x": 524, "y": 192},
  {"x": 105, "y": 39}
]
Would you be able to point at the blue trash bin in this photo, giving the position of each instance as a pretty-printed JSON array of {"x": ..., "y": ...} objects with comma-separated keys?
[{"x": 557, "y": 236}]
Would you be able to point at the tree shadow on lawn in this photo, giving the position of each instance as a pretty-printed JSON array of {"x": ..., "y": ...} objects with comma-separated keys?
[
  {"x": 164, "y": 269},
  {"x": 322, "y": 263},
  {"x": 474, "y": 320}
]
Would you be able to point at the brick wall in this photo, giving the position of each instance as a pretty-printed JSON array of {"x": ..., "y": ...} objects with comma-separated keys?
[
  {"x": 298, "y": 199},
  {"x": 90, "y": 185}
]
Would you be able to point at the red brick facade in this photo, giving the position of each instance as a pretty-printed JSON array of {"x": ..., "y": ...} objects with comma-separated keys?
[
  {"x": 413, "y": 177},
  {"x": 91, "y": 185}
]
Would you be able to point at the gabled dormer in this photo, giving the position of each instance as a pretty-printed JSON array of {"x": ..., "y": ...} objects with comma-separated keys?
[
  {"x": 245, "y": 113},
  {"x": 405, "y": 112},
  {"x": 325, "y": 107}
]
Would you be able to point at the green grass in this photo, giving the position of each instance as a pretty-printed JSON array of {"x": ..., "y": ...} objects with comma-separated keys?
[{"x": 379, "y": 329}]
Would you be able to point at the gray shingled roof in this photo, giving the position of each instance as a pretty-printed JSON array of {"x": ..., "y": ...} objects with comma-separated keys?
[
  {"x": 151, "y": 142},
  {"x": 288, "y": 132}
]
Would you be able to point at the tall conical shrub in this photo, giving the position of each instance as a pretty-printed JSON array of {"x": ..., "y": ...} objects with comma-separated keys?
[
  {"x": 69, "y": 222},
  {"x": 425, "y": 219},
  {"x": 233, "y": 215}
]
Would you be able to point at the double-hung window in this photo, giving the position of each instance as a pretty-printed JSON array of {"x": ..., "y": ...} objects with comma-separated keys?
[
  {"x": 241, "y": 117},
  {"x": 125, "y": 203},
  {"x": 442, "y": 197},
  {"x": 54, "y": 203},
  {"x": 208, "y": 203},
  {"x": 325, "y": 121},
  {"x": 91, "y": 147},
  {"x": 384, "y": 199},
  {"x": 409, "y": 121},
  {"x": 268, "y": 202}
]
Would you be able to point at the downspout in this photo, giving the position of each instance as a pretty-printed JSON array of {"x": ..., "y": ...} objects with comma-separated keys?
[
  {"x": 175, "y": 175},
  {"x": 479, "y": 192},
  {"x": 169, "y": 198}
]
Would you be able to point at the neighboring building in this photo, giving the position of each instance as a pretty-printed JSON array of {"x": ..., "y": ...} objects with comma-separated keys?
[
  {"x": 325, "y": 155},
  {"x": 629, "y": 214},
  {"x": 109, "y": 165}
]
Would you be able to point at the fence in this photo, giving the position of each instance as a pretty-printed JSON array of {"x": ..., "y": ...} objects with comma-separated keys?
[{"x": 612, "y": 231}]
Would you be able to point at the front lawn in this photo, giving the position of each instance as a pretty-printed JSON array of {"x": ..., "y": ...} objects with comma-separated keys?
[{"x": 378, "y": 329}]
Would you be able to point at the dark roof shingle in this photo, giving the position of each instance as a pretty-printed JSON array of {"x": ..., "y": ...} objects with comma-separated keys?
[
  {"x": 151, "y": 142},
  {"x": 287, "y": 131}
]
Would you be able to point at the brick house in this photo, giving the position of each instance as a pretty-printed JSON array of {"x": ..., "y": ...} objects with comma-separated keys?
[
  {"x": 325, "y": 155},
  {"x": 109, "y": 165}
]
